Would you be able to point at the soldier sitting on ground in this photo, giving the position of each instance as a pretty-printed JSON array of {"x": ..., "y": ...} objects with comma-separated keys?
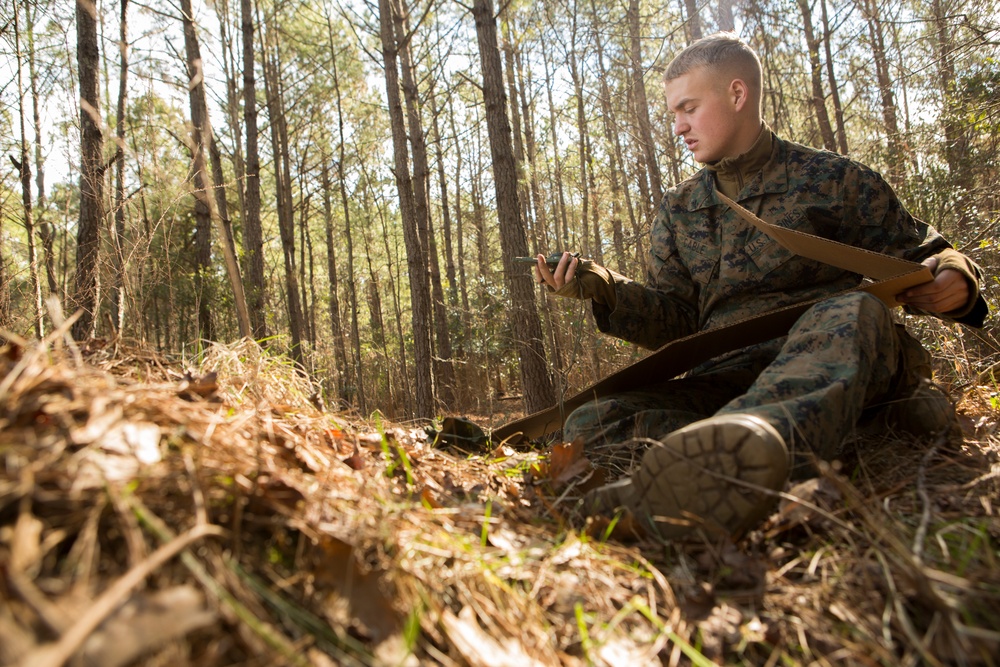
[{"x": 753, "y": 417}]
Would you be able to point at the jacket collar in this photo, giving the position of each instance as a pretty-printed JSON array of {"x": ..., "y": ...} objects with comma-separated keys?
[{"x": 775, "y": 169}]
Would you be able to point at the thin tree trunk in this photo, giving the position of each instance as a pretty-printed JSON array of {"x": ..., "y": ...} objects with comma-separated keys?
[
  {"x": 607, "y": 112},
  {"x": 444, "y": 373},
  {"x": 693, "y": 22},
  {"x": 5, "y": 321},
  {"x": 838, "y": 107},
  {"x": 956, "y": 148},
  {"x": 340, "y": 370},
  {"x": 561, "y": 231},
  {"x": 44, "y": 227},
  {"x": 446, "y": 231},
  {"x": 232, "y": 101},
  {"x": 253, "y": 238},
  {"x": 25, "y": 173},
  {"x": 535, "y": 378},
  {"x": 91, "y": 169},
  {"x": 394, "y": 282},
  {"x": 212, "y": 200},
  {"x": 642, "y": 106},
  {"x": 352, "y": 288},
  {"x": 726, "y": 20},
  {"x": 118, "y": 229},
  {"x": 463, "y": 285},
  {"x": 531, "y": 149},
  {"x": 416, "y": 263},
  {"x": 283, "y": 189},
  {"x": 896, "y": 163},
  {"x": 305, "y": 201},
  {"x": 818, "y": 99},
  {"x": 515, "y": 119}
]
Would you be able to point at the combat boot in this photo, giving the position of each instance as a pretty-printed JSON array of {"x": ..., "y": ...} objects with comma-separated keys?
[
  {"x": 927, "y": 411},
  {"x": 717, "y": 473}
]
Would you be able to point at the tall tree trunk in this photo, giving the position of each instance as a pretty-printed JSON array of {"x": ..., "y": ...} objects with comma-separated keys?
[
  {"x": 560, "y": 219},
  {"x": 211, "y": 200},
  {"x": 463, "y": 285},
  {"x": 5, "y": 320},
  {"x": 203, "y": 219},
  {"x": 416, "y": 262},
  {"x": 610, "y": 132},
  {"x": 816, "y": 76},
  {"x": 531, "y": 152},
  {"x": 956, "y": 148},
  {"x": 253, "y": 237},
  {"x": 693, "y": 23},
  {"x": 25, "y": 173},
  {"x": 444, "y": 372},
  {"x": 91, "y": 169},
  {"x": 896, "y": 163},
  {"x": 352, "y": 286},
  {"x": 515, "y": 118},
  {"x": 45, "y": 228},
  {"x": 535, "y": 378},
  {"x": 305, "y": 201},
  {"x": 229, "y": 69},
  {"x": 583, "y": 157},
  {"x": 341, "y": 374},
  {"x": 118, "y": 229},
  {"x": 726, "y": 20},
  {"x": 283, "y": 188},
  {"x": 642, "y": 106},
  {"x": 446, "y": 231},
  {"x": 838, "y": 107}
]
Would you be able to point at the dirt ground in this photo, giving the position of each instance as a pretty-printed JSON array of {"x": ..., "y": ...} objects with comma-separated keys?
[{"x": 159, "y": 515}]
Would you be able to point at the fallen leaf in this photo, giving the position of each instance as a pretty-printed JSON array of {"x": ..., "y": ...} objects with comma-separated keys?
[
  {"x": 26, "y": 542},
  {"x": 567, "y": 464},
  {"x": 428, "y": 499},
  {"x": 146, "y": 622},
  {"x": 194, "y": 388},
  {"x": 625, "y": 529},
  {"x": 356, "y": 596},
  {"x": 480, "y": 649},
  {"x": 566, "y": 457},
  {"x": 807, "y": 502},
  {"x": 355, "y": 461}
]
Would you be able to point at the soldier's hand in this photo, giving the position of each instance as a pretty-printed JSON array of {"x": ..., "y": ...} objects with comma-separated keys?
[
  {"x": 948, "y": 291},
  {"x": 556, "y": 278},
  {"x": 576, "y": 278}
]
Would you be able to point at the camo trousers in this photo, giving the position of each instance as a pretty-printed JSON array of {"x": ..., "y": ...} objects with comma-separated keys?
[{"x": 844, "y": 354}]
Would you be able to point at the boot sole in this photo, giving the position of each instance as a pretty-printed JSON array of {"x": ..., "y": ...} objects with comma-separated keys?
[{"x": 710, "y": 475}]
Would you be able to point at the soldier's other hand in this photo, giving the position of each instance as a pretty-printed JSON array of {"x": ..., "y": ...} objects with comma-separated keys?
[
  {"x": 948, "y": 291},
  {"x": 575, "y": 278},
  {"x": 564, "y": 272}
]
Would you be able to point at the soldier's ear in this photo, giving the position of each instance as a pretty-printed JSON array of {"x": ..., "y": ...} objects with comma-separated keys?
[{"x": 739, "y": 94}]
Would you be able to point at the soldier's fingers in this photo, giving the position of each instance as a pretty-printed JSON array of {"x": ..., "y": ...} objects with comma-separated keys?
[
  {"x": 571, "y": 270},
  {"x": 561, "y": 268},
  {"x": 947, "y": 292},
  {"x": 542, "y": 273}
]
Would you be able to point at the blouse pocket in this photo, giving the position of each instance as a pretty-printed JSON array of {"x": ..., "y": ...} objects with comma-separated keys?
[{"x": 701, "y": 259}]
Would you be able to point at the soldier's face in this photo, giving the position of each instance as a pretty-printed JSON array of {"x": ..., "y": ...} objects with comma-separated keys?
[{"x": 704, "y": 115}]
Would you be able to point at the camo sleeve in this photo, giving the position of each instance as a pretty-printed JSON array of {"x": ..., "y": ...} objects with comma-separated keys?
[
  {"x": 664, "y": 309},
  {"x": 913, "y": 239}
]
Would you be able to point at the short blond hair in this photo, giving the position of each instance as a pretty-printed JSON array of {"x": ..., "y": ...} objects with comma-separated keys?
[{"x": 722, "y": 52}]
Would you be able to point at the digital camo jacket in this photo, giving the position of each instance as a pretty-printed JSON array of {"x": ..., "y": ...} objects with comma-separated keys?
[{"x": 708, "y": 268}]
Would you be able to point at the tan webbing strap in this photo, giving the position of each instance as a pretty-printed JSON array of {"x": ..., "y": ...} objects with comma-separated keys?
[{"x": 892, "y": 276}]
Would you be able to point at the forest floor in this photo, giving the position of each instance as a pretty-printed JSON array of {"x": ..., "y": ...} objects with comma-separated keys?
[{"x": 157, "y": 515}]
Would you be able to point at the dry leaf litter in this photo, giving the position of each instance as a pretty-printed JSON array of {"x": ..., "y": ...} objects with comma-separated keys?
[{"x": 157, "y": 515}]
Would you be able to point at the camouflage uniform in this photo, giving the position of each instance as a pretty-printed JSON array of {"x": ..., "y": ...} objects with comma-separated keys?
[{"x": 709, "y": 268}]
